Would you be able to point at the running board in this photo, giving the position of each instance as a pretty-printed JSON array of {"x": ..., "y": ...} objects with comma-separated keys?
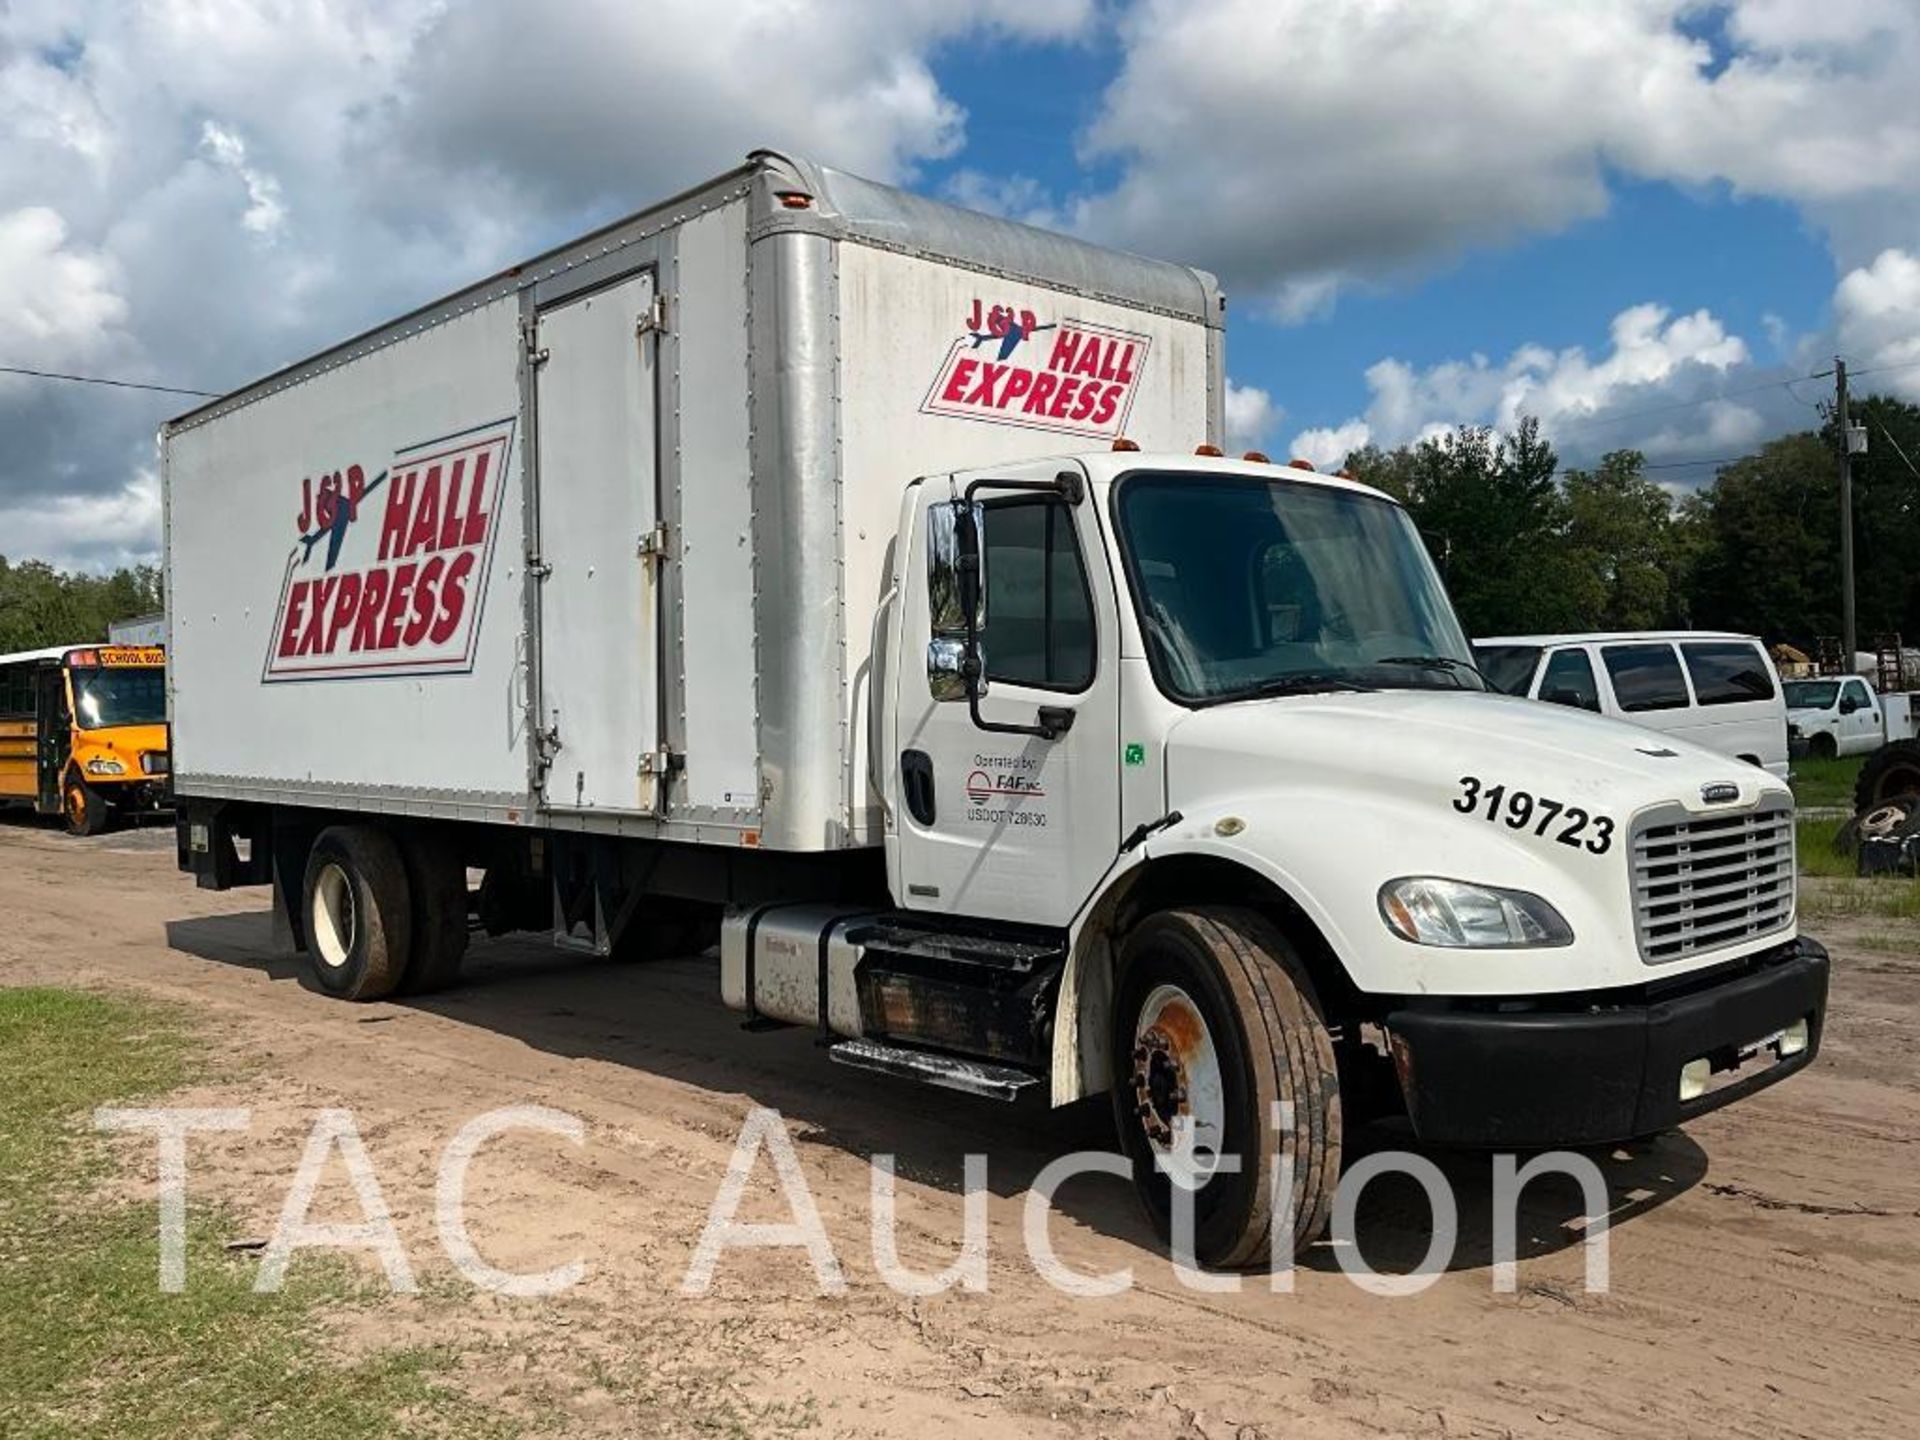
[{"x": 971, "y": 1077}]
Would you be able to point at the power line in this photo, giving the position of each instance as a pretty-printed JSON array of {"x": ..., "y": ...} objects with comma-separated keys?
[
  {"x": 99, "y": 380},
  {"x": 1790, "y": 381}
]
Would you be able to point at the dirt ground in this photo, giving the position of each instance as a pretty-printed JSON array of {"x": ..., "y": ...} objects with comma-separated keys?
[{"x": 1765, "y": 1263}]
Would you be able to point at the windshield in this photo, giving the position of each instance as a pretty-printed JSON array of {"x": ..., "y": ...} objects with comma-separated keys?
[
  {"x": 1248, "y": 586},
  {"x": 1811, "y": 694},
  {"x": 1508, "y": 668},
  {"x": 120, "y": 696}
]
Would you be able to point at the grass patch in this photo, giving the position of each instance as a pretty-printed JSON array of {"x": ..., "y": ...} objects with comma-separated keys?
[
  {"x": 89, "y": 1345},
  {"x": 1836, "y": 891},
  {"x": 1813, "y": 848},
  {"x": 1826, "y": 782}
]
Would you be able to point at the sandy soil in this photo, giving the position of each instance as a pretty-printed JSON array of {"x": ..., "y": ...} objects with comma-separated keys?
[{"x": 1765, "y": 1264}]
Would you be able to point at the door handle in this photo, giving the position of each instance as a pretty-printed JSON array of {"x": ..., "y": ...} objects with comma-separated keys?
[{"x": 916, "y": 785}]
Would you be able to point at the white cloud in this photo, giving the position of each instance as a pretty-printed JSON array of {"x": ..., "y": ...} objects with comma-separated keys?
[
  {"x": 89, "y": 531},
  {"x": 1657, "y": 362},
  {"x": 1877, "y": 308},
  {"x": 1327, "y": 446},
  {"x": 1294, "y": 142},
  {"x": 265, "y": 213},
  {"x": 1251, "y": 416},
  {"x": 197, "y": 191},
  {"x": 57, "y": 302}
]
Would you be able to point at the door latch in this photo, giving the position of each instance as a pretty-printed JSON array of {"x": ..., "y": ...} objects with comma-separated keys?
[{"x": 653, "y": 545}]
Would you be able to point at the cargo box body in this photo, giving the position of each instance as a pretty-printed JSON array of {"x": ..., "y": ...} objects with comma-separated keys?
[{"x": 599, "y": 543}]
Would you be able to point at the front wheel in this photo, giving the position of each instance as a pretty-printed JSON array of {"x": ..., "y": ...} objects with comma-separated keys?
[
  {"x": 1216, "y": 1026},
  {"x": 84, "y": 808},
  {"x": 1823, "y": 747}
]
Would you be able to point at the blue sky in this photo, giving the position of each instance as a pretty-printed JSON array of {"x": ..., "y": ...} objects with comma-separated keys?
[
  {"x": 1630, "y": 218},
  {"x": 1753, "y": 261}
]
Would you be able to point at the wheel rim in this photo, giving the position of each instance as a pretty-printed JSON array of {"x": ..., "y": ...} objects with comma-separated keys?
[
  {"x": 335, "y": 917},
  {"x": 1884, "y": 820},
  {"x": 1179, "y": 1098},
  {"x": 76, "y": 806}
]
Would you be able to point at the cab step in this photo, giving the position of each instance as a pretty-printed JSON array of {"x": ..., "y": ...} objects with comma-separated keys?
[{"x": 948, "y": 1072}]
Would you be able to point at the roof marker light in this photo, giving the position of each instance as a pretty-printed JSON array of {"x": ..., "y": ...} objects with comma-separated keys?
[
  {"x": 1211, "y": 450},
  {"x": 795, "y": 199},
  {"x": 1258, "y": 457},
  {"x": 1122, "y": 443},
  {"x": 1298, "y": 464}
]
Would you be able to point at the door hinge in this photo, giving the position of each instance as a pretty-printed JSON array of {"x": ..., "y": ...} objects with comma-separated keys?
[
  {"x": 653, "y": 318},
  {"x": 547, "y": 741},
  {"x": 653, "y": 545},
  {"x": 661, "y": 762},
  {"x": 538, "y": 568},
  {"x": 530, "y": 342}
]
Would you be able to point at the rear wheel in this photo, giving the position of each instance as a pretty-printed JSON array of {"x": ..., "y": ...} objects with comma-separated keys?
[
  {"x": 1215, "y": 1024},
  {"x": 84, "y": 808},
  {"x": 358, "y": 908},
  {"x": 437, "y": 877}
]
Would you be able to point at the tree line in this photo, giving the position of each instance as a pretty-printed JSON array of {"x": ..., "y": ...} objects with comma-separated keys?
[
  {"x": 42, "y": 606},
  {"x": 1527, "y": 548}
]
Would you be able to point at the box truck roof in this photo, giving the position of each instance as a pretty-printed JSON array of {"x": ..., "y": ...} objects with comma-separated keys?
[{"x": 815, "y": 199}]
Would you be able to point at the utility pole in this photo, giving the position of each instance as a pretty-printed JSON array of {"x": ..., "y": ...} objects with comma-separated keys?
[{"x": 1847, "y": 636}]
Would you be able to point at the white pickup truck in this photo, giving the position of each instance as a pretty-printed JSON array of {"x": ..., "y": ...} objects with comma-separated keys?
[{"x": 856, "y": 582}]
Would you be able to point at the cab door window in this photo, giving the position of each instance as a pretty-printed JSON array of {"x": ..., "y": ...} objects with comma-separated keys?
[
  {"x": 1039, "y": 629},
  {"x": 1569, "y": 681}
]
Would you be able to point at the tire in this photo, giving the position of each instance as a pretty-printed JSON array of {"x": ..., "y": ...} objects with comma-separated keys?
[
  {"x": 437, "y": 877},
  {"x": 1886, "y": 819},
  {"x": 84, "y": 808},
  {"x": 1236, "y": 973},
  {"x": 357, "y": 908},
  {"x": 1889, "y": 772},
  {"x": 1823, "y": 747}
]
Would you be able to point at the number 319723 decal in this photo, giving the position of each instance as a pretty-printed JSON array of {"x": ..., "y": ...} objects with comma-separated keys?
[{"x": 1569, "y": 824}]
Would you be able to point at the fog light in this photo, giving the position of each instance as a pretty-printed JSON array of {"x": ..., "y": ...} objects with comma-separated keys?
[
  {"x": 1695, "y": 1076},
  {"x": 1793, "y": 1039}
]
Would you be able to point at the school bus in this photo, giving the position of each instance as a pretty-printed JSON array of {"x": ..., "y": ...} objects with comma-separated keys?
[{"x": 83, "y": 733}]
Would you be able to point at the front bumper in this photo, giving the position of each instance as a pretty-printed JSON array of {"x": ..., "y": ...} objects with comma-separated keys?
[{"x": 1608, "y": 1070}]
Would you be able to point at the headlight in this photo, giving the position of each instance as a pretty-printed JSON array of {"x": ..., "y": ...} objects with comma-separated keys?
[
  {"x": 105, "y": 767},
  {"x": 154, "y": 762},
  {"x": 1460, "y": 916}
]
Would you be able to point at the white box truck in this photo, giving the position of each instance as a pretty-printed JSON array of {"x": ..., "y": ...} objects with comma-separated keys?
[{"x": 854, "y": 581}]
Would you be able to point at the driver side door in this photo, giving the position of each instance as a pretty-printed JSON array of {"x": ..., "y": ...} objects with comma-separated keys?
[{"x": 1015, "y": 826}]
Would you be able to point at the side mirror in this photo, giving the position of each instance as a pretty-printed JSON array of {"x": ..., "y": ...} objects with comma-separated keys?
[
  {"x": 1848, "y": 704},
  {"x": 956, "y": 570},
  {"x": 947, "y": 668}
]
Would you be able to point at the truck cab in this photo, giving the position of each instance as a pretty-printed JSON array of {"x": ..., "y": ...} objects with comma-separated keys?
[
  {"x": 1833, "y": 715},
  {"x": 1216, "y": 723}
]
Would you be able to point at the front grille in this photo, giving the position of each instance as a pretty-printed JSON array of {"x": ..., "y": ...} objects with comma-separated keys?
[{"x": 1700, "y": 884}]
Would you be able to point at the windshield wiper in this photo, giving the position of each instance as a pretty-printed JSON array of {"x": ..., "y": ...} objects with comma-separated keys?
[
  {"x": 1301, "y": 682},
  {"x": 1437, "y": 662}
]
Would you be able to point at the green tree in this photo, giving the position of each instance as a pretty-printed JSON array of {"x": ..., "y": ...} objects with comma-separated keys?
[
  {"x": 1618, "y": 543},
  {"x": 41, "y": 606},
  {"x": 1493, "y": 517}
]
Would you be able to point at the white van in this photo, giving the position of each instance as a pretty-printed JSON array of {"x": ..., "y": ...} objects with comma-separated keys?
[
  {"x": 1834, "y": 715},
  {"x": 1713, "y": 688}
]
